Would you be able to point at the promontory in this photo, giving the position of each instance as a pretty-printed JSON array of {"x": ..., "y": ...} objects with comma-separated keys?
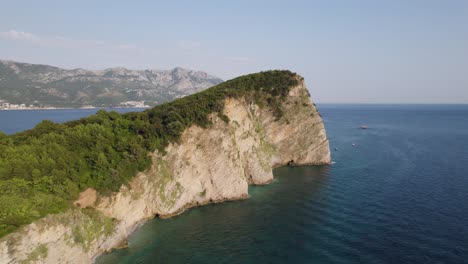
[{"x": 72, "y": 191}]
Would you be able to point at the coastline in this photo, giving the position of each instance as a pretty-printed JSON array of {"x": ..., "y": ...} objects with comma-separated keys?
[
  {"x": 124, "y": 242},
  {"x": 71, "y": 108}
]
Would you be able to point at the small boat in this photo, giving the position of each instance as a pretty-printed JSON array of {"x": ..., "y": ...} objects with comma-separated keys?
[
  {"x": 353, "y": 145},
  {"x": 363, "y": 127}
]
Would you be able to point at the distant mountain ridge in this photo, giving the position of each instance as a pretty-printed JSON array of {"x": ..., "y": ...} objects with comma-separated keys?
[{"x": 44, "y": 85}]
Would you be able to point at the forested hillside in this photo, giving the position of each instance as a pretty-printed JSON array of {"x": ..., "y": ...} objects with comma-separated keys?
[{"x": 42, "y": 170}]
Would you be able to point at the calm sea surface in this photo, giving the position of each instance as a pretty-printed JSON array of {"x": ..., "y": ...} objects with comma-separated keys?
[
  {"x": 400, "y": 195},
  {"x": 12, "y": 121}
]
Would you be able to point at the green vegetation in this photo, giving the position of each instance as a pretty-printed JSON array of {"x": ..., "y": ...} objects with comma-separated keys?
[
  {"x": 89, "y": 225},
  {"x": 203, "y": 193},
  {"x": 166, "y": 196},
  {"x": 40, "y": 252},
  {"x": 265, "y": 150},
  {"x": 43, "y": 169}
]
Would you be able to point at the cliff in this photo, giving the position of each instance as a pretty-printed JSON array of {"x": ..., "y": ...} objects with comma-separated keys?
[{"x": 210, "y": 164}]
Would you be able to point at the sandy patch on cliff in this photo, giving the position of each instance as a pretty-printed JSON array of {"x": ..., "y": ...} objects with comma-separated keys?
[{"x": 87, "y": 198}]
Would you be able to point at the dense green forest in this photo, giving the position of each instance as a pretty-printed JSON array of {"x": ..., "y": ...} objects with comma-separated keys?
[{"x": 42, "y": 170}]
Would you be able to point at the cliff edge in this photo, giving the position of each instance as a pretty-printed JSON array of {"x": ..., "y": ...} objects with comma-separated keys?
[{"x": 241, "y": 146}]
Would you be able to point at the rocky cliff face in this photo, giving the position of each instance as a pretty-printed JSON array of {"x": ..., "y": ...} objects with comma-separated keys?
[
  {"x": 208, "y": 165},
  {"x": 24, "y": 83}
]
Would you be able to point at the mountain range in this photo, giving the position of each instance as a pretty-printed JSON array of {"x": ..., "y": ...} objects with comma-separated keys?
[{"x": 47, "y": 86}]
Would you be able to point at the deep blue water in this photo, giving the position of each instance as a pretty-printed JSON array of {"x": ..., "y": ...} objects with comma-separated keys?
[{"x": 398, "y": 196}]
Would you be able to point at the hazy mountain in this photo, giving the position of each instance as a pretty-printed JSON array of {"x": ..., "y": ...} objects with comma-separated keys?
[{"x": 24, "y": 83}]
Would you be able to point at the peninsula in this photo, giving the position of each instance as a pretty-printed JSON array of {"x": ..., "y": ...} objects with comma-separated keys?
[{"x": 72, "y": 191}]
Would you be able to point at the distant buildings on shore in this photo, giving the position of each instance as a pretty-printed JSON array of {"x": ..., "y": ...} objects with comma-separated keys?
[
  {"x": 4, "y": 105},
  {"x": 136, "y": 104},
  {"x": 7, "y": 106}
]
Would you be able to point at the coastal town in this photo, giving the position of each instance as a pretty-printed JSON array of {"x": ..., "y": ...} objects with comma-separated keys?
[{"x": 4, "y": 105}]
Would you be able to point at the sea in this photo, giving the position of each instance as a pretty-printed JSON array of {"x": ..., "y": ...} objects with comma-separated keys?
[{"x": 396, "y": 192}]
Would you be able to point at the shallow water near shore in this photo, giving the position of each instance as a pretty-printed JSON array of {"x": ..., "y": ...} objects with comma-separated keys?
[{"x": 397, "y": 196}]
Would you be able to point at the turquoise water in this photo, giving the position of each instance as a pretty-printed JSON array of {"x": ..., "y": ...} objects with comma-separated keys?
[{"x": 398, "y": 196}]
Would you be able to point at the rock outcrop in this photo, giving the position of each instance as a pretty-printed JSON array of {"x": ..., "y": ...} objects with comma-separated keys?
[{"x": 208, "y": 165}]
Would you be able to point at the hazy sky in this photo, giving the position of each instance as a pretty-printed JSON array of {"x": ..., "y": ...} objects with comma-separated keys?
[{"x": 372, "y": 51}]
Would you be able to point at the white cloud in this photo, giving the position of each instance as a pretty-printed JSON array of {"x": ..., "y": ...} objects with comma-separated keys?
[
  {"x": 70, "y": 43},
  {"x": 20, "y": 35}
]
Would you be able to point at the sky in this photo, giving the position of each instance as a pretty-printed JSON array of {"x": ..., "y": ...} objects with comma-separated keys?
[{"x": 375, "y": 51}]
